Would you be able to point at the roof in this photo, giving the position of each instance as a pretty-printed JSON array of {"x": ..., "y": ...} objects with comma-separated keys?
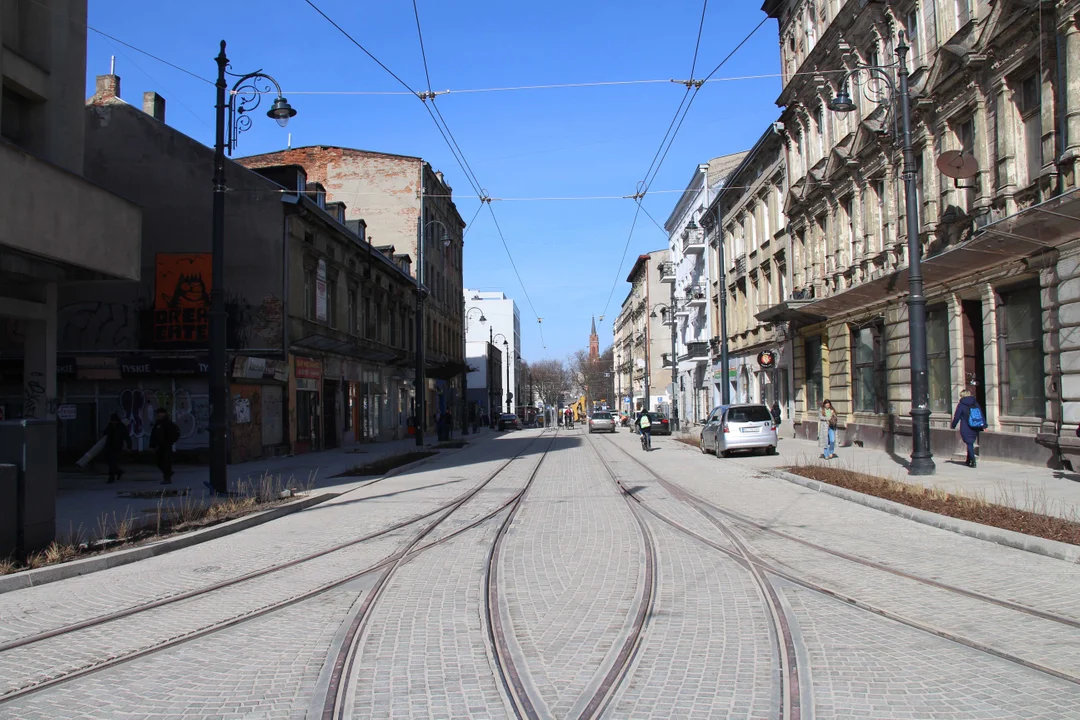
[
  {"x": 335, "y": 147},
  {"x": 720, "y": 168}
]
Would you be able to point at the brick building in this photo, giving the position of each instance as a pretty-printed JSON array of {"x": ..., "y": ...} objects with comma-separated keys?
[{"x": 401, "y": 199}]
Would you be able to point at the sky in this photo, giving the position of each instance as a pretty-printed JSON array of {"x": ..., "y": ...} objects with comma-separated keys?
[{"x": 542, "y": 143}]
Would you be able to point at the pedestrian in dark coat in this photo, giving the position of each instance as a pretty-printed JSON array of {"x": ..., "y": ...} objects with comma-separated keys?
[
  {"x": 962, "y": 417},
  {"x": 777, "y": 415},
  {"x": 162, "y": 438},
  {"x": 116, "y": 436}
]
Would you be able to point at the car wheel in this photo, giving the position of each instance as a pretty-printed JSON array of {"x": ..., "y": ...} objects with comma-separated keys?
[
  {"x": 701, "y": 445},
  {"x": 725, "y": 454},
  {"x": 771, "y": 450}
]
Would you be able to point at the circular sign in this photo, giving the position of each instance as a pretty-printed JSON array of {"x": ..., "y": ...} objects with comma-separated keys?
[{"x": 766, "y": 359}]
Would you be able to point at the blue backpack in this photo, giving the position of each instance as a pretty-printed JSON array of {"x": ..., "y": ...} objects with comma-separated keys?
[{"x": 976, "y": 419}]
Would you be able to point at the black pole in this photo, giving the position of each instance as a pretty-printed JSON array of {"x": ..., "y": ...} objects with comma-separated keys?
[
  {"x": 507, "y": 359},
  {"x": 725, "y": 383},
  {"x": 922, "y": 462},
  {"x": 218, "y": 428},
  {"x": 648, "y": 341},
  {"x": 420, "y": 380},
  {"x": 674, "y": 364}
]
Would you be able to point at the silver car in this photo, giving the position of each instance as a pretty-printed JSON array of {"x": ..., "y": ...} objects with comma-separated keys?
[
  {"x": 739, "y": 427},
  {"x": 601, "y": 422}
]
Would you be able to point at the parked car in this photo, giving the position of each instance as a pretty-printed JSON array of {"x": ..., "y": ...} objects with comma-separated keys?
[
  {"x": 659, "y": 424},
  {"x": 739, "y": 427},
  {"x": 601, "y": 421},
  {"x": 509, "y": 421}
]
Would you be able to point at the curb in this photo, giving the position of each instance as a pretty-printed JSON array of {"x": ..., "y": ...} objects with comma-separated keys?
[
  {"x": 74, "y": 568},
  {"x": 1008, "y": 538},
  {"x": 63, "y": 571}
]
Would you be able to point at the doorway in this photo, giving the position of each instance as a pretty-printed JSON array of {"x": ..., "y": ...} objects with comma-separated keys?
[
  {"x": 974, "y": 345},
  {"x": 330, "y": 434}
]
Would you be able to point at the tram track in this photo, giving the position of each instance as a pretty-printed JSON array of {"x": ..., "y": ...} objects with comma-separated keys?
[
  {"x": 334, "y": 705},
  {"x": 789, "y": 691},
  {"x": 748, "y": 558},
  {"x": 410, "y": 549}
]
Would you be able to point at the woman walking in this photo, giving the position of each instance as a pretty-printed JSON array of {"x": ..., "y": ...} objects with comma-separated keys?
[
  {"x": 826, "y": 430},
  {"x": 969, "y": 416}
]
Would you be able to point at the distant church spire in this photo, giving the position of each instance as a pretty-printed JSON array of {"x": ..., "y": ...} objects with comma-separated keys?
[{"x": 594, "y": 342}]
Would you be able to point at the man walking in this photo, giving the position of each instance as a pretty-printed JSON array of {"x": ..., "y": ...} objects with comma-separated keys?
[
  {"x": 162, "y": 438},
  {"x": 116, "y": 436}
]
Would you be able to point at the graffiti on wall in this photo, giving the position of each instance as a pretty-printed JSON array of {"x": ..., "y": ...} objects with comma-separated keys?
[
  {"x": 136, "y": 408},
  {"x": 182, "y": 298},
  {"x": 268, "y": 322},
  {"x": 246, "y": 431},
  {"x": 100, "y": 325}
]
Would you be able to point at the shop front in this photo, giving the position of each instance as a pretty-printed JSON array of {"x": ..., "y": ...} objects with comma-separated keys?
[
  {"x": 258, "y": 409},
  {"x": 307, "y": 378}
]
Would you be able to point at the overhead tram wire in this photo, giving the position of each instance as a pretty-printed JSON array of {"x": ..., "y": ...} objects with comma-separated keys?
[
  {"x": 696, "y": 85},
  {"x": 448, "y": 138},
  {"x": 643, "y": 186}
]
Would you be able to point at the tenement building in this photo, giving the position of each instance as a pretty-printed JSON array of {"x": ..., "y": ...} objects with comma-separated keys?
[
  {"x": 753, "y": 245},
  {"x": 1001, "y": 259},
  {"x": 689, "y": 275},
  {"x": 642, "y": 358}
]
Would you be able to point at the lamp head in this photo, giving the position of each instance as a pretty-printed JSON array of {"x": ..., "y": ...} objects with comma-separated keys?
[
  {"x": 281, "y": 111},
  {"x": 842, "y": 103}
]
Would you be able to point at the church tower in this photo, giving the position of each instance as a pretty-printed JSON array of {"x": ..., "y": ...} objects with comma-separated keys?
[{"x": 594, "y": 343}]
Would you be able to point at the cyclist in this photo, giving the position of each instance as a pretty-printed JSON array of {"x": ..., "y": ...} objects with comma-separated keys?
[{"x": 645, "y": 425}]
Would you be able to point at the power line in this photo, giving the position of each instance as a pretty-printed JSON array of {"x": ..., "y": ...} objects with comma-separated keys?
[{"x": 423, "y": 53}]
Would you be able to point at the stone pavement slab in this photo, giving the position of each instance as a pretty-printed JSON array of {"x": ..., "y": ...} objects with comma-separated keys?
[{"x": 1052, "y": 492}]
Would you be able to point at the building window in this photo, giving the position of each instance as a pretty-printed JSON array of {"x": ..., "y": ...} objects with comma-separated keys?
[
  {"x": 1030, "y": 100},
  {"x": 937, "y": 353},
  {"x": 911, "y": 20},
  {"x": 850, "y": 243},
  {"x": 392, "y": 322},
  {"x": 331, "y": 303},
  {"x": 881, "y": 198},
  {"x": 963, "y": 13},
  {"x": 866, "y": 370},
  {"x": 369, "y": 320},
  {"x": 351, "y": 310},
  {"x": 1022, "y": 386},
  {"x": 814, "y": 387},
  {"x": 309, "y": 294},
  {"x": 379, "y": 323}
]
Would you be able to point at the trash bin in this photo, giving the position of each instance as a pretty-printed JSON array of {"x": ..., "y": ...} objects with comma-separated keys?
[{"x": 29, "y": 445}]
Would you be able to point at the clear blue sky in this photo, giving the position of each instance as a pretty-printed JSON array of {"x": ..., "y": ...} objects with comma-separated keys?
[{"x": 533, "y": 143}]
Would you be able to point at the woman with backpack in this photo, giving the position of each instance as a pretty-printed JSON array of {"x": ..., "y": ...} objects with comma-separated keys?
[{"x": 971, "y": 420}]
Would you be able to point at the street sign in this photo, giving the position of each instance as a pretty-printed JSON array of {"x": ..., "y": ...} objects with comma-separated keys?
[{"x": 66, "y": 412}]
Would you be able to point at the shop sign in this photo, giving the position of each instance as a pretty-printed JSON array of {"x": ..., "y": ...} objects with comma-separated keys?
[
  {"x": 277, "y": 369},
  {"x": 97, "y": 368},
  {"x": 136, "y": 366},
  {"x": 308, "y": 368},
  {"x": 182, "y": 298},
  {"x": 766, "y": 359},
  {"x": 320, "y": 291},
  {"x": 65, "y": 412},
  {"x": 250, "y": 368}
]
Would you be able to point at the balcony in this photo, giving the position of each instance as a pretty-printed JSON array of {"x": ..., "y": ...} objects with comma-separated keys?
[
  {"x": 667, "y": 273},
  {"x": 697, "y": 295},
  {"x": 739, "y": 266},
  {"x": 697, "y": 352},
  {"x": 693, "y": 242}
]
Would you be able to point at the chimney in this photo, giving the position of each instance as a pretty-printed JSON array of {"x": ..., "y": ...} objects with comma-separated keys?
[
  {"x": 438, "y": 174},
  {"x": 154, "y": 105},
  {"x": 108, "y": 87}
]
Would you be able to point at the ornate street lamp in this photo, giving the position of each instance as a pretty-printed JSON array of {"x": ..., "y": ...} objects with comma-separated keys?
[
  {"x": 245, "y": 95},
  {"x": 886, "y": 93}
]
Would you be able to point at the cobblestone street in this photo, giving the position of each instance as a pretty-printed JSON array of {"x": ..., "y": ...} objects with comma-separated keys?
[{"x": 544, "y": 574}]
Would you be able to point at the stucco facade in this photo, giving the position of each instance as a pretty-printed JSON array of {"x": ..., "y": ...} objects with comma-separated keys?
[
  {"x": 642, "y": 369},
  {"x": 999, "y": 251}
]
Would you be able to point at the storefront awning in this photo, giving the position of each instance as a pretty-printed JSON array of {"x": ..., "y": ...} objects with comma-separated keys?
[
  {"x": 1023, "y": 234},
  {"x": 789, "y": 311},
  {"x": 323, "y": 343}
]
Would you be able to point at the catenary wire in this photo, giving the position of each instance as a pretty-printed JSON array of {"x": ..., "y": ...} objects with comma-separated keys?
[{"x": 423, "y": 52}]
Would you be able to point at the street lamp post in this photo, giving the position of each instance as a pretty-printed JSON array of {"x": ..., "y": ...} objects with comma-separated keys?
[
  {"x": 922, "y": 461},
  {"x": 245, "y": 95},
  {"x": 506, "y": 362},
  {"x": 669, "y": 311},
  {"x": 465, "y": 374}
]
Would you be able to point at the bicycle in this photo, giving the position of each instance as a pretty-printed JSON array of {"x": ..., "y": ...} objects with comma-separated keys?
[{"x": 646, "y": 440}]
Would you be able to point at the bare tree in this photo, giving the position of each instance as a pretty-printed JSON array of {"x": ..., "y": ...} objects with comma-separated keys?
[
  {"x": 550, "y": 379},
  {"x": 593, "y": 378}
]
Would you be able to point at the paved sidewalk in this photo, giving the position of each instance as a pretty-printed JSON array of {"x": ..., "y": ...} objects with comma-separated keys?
[
  {"x": 1052, "y": 492},
  {"x": 84, "y": 500}
]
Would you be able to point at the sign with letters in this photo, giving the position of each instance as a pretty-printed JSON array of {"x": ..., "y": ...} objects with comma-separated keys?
[{"x": 182, "y": 298}]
